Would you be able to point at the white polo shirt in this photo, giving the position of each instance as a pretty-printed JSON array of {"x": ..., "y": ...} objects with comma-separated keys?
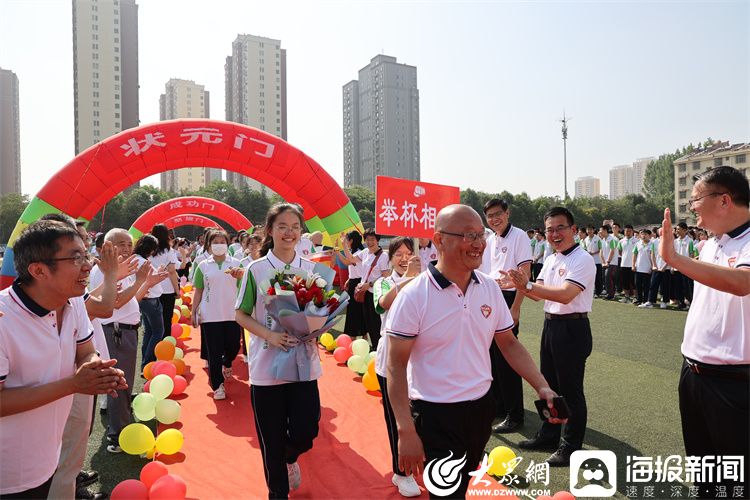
[
  {"x": 609, "y": 246},
  {"x": 685, "y": 246},
  {"x": 642, "y": 256},
  {"x": 627, "y": 245},
  {"x": 380, "y": 288},
  {"x": 575, "y": 266},
  {"x": 717, "y": 330},
  {"x": 219, "y": 289},
  {"x": 593, "y": 244},
  {"x": 661, "y": 264},
  {"x": 426, "y": 255},
  {"x": 155, "y": 291},
  {"x": 355, "y": 270},
  {"x": 165, "y": 258},
  {"x": 452, "y": 333},
  {"x": 32, "y": 353},
  {"x": 198, "y": 259},
  {"x": 130, "y": 312},
  {"x": 539, "y": 251},
  {"x": 250, "y": 301},
  {"x": 234, "y": 248},
  {"x": 509, "y": 250},
  {"x": 380, "y": 267},
  {"x": 304, "y": 247}
]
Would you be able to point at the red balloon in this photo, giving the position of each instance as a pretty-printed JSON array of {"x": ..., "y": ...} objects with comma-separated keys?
[
  {"x": 165, "y": 368},
  {"x": 146, "y": 386},
  {"x": 179, "y": 385},
  {"x": 343, "y": 340},
  {"x": 341, "y": 354},
  {"x": 169, "y": 487},
  {"x": 544, "y": 497},
  {"x": 563, "y": 495},
  {"x": 130, "y": 489},
  {"x": 176, "y": 330},
  {"x": 153, "y": 471}
]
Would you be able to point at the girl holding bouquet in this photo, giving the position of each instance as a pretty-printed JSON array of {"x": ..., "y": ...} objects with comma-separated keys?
[
  {"x": 286, "y": 413},
  {"x": 406, "y": 266},
  {"x": 213, "y": 310}
]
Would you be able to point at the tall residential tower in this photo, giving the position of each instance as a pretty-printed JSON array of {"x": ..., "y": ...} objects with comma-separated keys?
[{"x": 10, "y": 143}]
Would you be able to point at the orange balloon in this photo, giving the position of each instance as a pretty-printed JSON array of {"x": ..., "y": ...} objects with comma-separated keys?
[
  {"x": 370, "y": 382},
  {"x": 371, "y": 368},
  {"x": 179, "y": 364},
  {"x": 175, "y": 317},
  {"x": 147, "y": 370},
  {"x": 164, "y": 350}
]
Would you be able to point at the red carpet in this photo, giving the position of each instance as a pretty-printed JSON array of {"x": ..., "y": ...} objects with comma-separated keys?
[{"x": 220, "y": 457}]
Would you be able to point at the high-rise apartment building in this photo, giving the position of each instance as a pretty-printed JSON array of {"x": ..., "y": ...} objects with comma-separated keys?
[
  {"x": 699, "y": 161},
  {"x": 105, "y": 69},
  {"x": 255, "y": 90},
  {"x": 639, "y": 173},
  {"x": 185, "y": 99},
  {"x": 381, "y": 123},
  {"x": 10, "y": 136},
  {"x": 587, "y": 187},
  {"x": 620, "y": 181}
]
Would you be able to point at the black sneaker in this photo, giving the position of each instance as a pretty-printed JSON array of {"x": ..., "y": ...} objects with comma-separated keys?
[
  {"x": 85, "y": 494},
  {"x": 86, "y": 477},
  {"x": 539, "y": 443},
  {"x": 507, "y": 426},
  {"x": 561, "y": 457}
]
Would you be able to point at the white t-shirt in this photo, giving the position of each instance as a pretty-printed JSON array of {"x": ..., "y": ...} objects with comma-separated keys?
[
  {"x": 661, "y": 265},
  {"x": 155, "y": 291},
  {"x": 129, "y": 313},
  {"x": 304, "y": 247},
  {"x": 452, "y": 334},
  {"x": 642, "y": 256},
  {"x": 717, "y": 330},
  {"x": 509, "y": 250},
  {"x": 163, "y": 259},
  {"x": 355, "y": 270},
  {"x": 219, "y": 289},
  {"x": 250, "y": 301},
  {"x": 371, "y": 273},
  {"x": 575, "y": 266},
  {"x": 33, "y": 353}
]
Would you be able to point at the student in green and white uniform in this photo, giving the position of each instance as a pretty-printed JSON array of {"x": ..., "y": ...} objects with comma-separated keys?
[
  {"x": 237, "y": 245},
  {"x": 626, "y": 246},
  {"x": 594, "y": 248},
  {"x": 213, "y": 310},
  {"x": 538, "y": 254},
  {"x": 406, "y": 266},
  {"x": 682, "y": 286},
  {"x": 642, "y": 266},
  {"x": 610, "y": 261},
  {"x": 286, "y": 413}
]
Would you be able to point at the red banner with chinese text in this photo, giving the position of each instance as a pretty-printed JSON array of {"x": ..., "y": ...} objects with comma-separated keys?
[{"x": 408, "y": 208}]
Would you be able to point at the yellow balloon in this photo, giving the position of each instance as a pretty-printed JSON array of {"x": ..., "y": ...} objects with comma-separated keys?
[
  {"x": 332, "y": 347},
  {"x": 371, "y": 368},
  {"x": 326, "y": 339},
  {"x": 370, "y": 382},
  {"x": 169, "y": 442},
  {"x": 136, "y": 439},
  {"x": 501, "y": 459}
]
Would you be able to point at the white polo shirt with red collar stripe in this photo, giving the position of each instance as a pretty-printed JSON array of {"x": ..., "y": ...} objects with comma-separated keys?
[
  {"x": 574, "y": 265},
  {"x": 717, "y": 329},
  {"x": 33, "y": 353},
  {"x": 506, "y": 251},
  {"x": 452, "y": 334}
]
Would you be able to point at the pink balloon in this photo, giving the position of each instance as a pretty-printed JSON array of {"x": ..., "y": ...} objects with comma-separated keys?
[
  {"x": 152, "y": 471},
  {"x": 169, "y": 487},
  {"x": 130, "y": 489},
  {"x": 146, "y": 386},
  {"x": 343, "y": 340},
  {"x": 165, "y": 368},
  {"x": 563, "y": 495},
  {"x": 179, "y": 385},
  {"x": 176, "y": 330},
  {"x": 341, "y": 354}
]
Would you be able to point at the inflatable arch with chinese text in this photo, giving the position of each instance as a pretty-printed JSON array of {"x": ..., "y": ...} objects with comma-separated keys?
[
  {"x": 190, "y": 220},
  {"x": 176, "y": 206},
  {"x": 91, "y": 179}
]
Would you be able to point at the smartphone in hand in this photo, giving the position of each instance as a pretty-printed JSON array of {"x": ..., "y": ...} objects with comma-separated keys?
[{"x": 559, "y": 408}]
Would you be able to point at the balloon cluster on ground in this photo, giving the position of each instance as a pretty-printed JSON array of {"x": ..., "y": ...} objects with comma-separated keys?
[
  {"x": 356, "y": 355},
  {"x": 155, "y": 483}
]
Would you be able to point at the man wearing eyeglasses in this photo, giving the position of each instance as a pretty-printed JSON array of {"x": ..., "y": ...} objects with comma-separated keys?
[
  {"x": 46, "y": 355},
  {"x": 566, "y": 284},
  {"x": 507, "y": 248},
  {"x": 440, "y": 328},
  {"x": 714, "y": 385}
]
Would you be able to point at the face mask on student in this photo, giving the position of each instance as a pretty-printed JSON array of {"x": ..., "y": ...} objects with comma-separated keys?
[{"x": 219, "y": 248}]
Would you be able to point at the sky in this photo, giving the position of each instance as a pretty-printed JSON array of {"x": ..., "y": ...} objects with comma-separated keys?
[{"x": 638, "y": 78}]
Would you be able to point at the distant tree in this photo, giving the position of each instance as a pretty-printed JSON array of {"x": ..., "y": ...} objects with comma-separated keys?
[
  {"x": 361, "y": 197},
  {"x": 11, "y": 207}
]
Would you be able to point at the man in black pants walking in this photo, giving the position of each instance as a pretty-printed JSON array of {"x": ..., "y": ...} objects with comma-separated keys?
[{"x": 566, "y": 284}]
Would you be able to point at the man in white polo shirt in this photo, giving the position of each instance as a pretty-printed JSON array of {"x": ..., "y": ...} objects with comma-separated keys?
[
  {"x": 440, "y": 328},
  {"x": 715, "y": 380},
  {"x": 507, "y": 248},
  {"x": 45, "y": 333},
  {"x": 566, "y": 285}
]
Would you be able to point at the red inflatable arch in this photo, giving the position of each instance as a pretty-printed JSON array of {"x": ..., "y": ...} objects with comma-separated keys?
[
  {"x": 190, "y": 220},
  {"x": 92, "y": 178},
  {"x": 177, "y": 206}
]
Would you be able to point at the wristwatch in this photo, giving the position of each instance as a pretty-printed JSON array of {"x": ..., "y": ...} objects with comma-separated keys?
[{"x": 529, "y": 285}]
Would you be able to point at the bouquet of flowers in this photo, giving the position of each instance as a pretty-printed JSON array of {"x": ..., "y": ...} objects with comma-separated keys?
[{"x": 304, "y": 305}]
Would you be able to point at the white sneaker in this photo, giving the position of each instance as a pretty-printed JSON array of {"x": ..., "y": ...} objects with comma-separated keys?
[
  {"x": 647, "y": 305},
  {"x": 294, "y": 475},
  {"x": 219, "y": 393},
  {"x": 406, "y": 485},
  {"x": 227, "y": 372},
  {"x": 663, "y": 305}
]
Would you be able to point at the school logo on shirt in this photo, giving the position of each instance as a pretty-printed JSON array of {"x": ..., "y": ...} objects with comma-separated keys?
[
  {"x": 562, "y": 271},
  {"x": 504, "y": 249},
  {"x": 731, "y": 261},
  {"x": 486, "y": 311}
]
